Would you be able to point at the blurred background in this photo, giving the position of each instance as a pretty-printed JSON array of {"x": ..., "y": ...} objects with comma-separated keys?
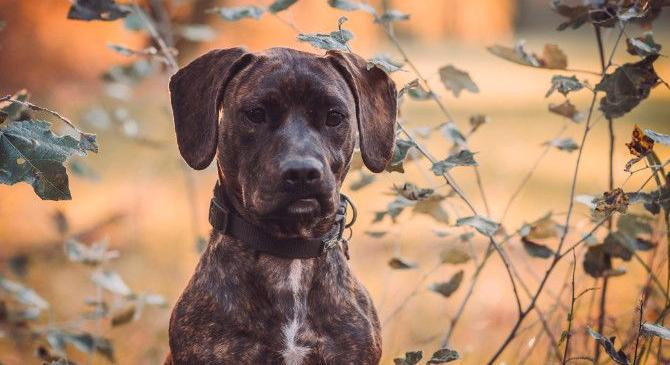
[{"x": 135, "y": 192}]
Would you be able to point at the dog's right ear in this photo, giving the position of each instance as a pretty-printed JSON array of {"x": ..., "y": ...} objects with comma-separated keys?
[{"x": 196, "y": 92}]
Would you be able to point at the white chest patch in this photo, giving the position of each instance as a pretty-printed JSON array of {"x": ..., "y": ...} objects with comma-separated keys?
[{"x": 293, "y": 353}]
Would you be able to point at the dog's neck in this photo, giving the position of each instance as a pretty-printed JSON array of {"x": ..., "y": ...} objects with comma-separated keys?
[{"x": 225, "y": 218}]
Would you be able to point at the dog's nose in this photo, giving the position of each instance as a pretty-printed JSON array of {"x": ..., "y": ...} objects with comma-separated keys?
[{"x": 305, "y": 171}]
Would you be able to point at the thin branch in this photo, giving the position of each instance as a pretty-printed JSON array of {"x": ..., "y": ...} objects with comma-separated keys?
[
  {"x": 571, "y": 314},
  {"x": 42, "y": 109}
]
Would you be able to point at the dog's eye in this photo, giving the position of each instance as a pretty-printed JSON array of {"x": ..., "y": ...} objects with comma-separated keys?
[
  {"x": 334, "y": 118},
  {"x": 256, "y": 115}
]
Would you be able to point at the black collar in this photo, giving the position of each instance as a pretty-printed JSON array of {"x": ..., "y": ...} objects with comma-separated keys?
[{"x": 229, "y": 223}]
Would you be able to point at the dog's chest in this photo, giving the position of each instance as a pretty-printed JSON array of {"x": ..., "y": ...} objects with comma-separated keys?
[{"x": 288, "y": 287}]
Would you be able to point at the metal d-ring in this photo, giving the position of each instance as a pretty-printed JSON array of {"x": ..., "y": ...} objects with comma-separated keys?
[{"x": 354, "y": 212}]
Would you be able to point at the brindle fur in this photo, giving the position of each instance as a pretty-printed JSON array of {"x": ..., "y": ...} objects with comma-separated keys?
[{"x": 245, "y": 307}]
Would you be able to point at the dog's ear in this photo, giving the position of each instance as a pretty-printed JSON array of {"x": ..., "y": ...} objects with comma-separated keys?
[
  {"x": 376, "y": 104},
  {"x": 196, "y": 92}
]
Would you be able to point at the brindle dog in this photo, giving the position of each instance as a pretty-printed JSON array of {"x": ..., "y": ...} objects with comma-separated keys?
[{"x": 282, "y": 125}]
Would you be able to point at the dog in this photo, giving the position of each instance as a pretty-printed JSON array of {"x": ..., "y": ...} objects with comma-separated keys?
[{"x": 282, "y": 125}]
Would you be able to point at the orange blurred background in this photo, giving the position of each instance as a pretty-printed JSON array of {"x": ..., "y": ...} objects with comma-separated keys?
[{"x": 60, "y": 61}]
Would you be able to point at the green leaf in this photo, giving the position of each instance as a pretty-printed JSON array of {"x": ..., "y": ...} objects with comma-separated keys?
[
  {"x": 10, "y": 111},
  {"x": 111, "y": 281},
  {"x": 457, "y": 80},
  {"x": 400, "y": 151},
  {"x": 135, "y": 20},
  {"x": 237, "y": 13},
  {"x": 32, "y": 153},
  {"x": 336, "y": 40},
  {"x": 564, "y": 85},
  {"x": 462, "y": 158},
  {"x": 451, "y": 131},
  {"x": 483, "y": 225},
  {"x": 627, "y": 86},
  {"x": 650, "y": 329},
  {"x": 130, "y": 73},
  {"x": 568, "y": 110},
  {"x": 84, "y": 342},
  {"x": 411, "y": 358},
  {"x": 400, "y": 264},
  {"x": 23, "y": 294},
  {"x": 563, "y": 144},
  {"x": 385, "y": 63},
  {"x": 415, "y": 91},
  {"x": 658, "y": 137},
  {"x": 280, "y": 5},
  {"x": 448, "y": 288},
  {"x": 97, "y": 10},
  {"x": 535, "y": 249},
  {"x": 350, "y": 5},
  {"x": 608, "y": 344},
  {"x": 454, "y": 256},
  {"x": 391, "y": 15},
  {"x": 444, "y": 355},
  {"x": 643, "y": 46}
]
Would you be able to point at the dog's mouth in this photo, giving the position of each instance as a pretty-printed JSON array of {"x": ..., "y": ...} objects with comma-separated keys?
[{"x": 303, "y": 207}]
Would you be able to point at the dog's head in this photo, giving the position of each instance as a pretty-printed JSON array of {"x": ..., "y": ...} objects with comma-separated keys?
[{"x": 284, "y": 124}]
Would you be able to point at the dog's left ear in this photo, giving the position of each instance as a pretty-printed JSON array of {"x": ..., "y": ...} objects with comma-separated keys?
[
  {"x": 376, "y": 103},
  {"x": 196, "y": 92}
]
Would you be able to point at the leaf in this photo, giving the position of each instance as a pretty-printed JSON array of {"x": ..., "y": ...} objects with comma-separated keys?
[
  {"x": 633, "y": 224},
  {"x": 568, "y": 110},
  {"x": 477, "y": 121},
  {"x": 196, "y": 32},
  {"x": 483, "y": 225},
  {"x": 385, "y": 63},
  {"x": 130, "y": 73},
  {"x": 94, "y": 255},
  {"x": 400, "y": 151},
  {"x": 650, "y": 329},
  {"x": 23, "y": 294},
  {"x": 415, "y": 91},
  {"x": 376, "y": 234},
  {"x": 612, "y": 201},
  {"x": 627, "y": 86},
  {"x": 363, "y": 181},
  {"x": 280, "y": 5},
  {"x": 410, "y": 191},
  {"x": 448, "y": 288},
  {"x": 96, "y": 10},
  {"x": 400, "y": 264},
  {"x": 83, "y": 342},
  {"x": 456, "y": 80},
  {"x": 351, "y": 5},
  {"x": 552, "y": 56},
  {"x": 535, "y": 249},
  {"x": 442, "y": 356},
  {"x": 32, "y": 153},
  {"x": 111, "y": 281},
  {"x": 411, "y": 358},
  {"x": 451, "y": 131},
  {"x": 643, "y": 46},
  {"x": 432, "y": 207},
  {"x": 564, "y": 85},
  {"x": 596, "y": 262},
  {"x": 10, "y": 111},
  {"x": 641, "y": 144},
  {"x": 336, "y": 40},
  {"x": 391, "y": 15},
  {"x": 563, "y": 144},
  {"x": 454, "y": 256},
  {"x": 615, "y": 246},
  {"x": 657, "y": 137},
  {"x": 580, "y": 14},
  {"x": 236, "y": 13},
  {"x": 462, "y": 158},
  {"x": 123, "y": 316},
  {"x": 542, "y": 228},
  {"x": 608, "y": 344}
]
